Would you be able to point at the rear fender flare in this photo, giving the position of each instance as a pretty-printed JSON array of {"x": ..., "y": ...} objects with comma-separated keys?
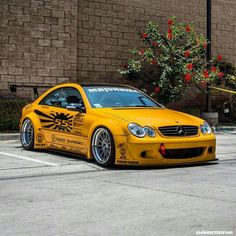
[{"x": 39, "y": 138}]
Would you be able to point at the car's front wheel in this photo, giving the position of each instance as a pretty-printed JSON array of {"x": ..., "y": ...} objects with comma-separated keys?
[
  {"x": 103, "y": 147},
  {"x": 27, "y": 134}
]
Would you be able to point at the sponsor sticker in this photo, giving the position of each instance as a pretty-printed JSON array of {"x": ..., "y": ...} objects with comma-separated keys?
[
  {"x": 111, "y": 89},
  {"x": 127, "y": 162},
  {"x": 123, "y": 149},
  {"x": 39, "y": 138},
  {"x": 40, "y": 145}
]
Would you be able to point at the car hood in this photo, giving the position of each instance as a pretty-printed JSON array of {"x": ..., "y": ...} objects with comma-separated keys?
[{"x": 155, "y": 117}]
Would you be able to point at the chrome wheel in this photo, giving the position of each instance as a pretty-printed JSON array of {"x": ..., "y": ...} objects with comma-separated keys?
[
  {"x": 27, "y": 134},
  {"x": 102, "y": 145}
]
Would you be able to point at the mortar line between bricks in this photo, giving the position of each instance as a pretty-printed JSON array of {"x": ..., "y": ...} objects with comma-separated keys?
[{"x": 160, "y": 190}]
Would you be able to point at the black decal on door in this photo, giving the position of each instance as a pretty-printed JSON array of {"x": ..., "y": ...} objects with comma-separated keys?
[{"x": 57, "y": 121}]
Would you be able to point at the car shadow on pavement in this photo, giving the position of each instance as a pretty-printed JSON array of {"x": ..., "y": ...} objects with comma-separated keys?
[
  {"x": 159, "y": 167},
  {"x": 80, "y": 158}
]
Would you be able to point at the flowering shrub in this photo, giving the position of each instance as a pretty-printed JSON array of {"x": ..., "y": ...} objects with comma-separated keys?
[
  {"x": 230, "y": 75},
  {"x": 172, "y": 61}
]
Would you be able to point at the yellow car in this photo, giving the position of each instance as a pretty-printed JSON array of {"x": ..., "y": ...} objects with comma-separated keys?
[{"x": 114, "y": 124}]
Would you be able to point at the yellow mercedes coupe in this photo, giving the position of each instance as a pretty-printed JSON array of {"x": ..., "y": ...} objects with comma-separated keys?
[{"x": 114, "y": 124}]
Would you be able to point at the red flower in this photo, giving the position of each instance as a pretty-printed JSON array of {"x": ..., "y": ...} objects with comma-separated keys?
[
  {"x": 190, "y": 66},
  {"x": 205, "y": 45},
  {"x": 188, "y": 29},
  {"x": 205, "y": 74},
  {"x": 169, "y": 36},
  {"x": 144, "y": 35},
  {"x": 153, "y": 61},
  {"x": 126, "y": 66},
  {"x": 213, "y": 69},
  {"x": 169, "y": 31},
  {"x": 141, "y": 52},
  {"x": 219, "y": 57},
  {"x": 187, "y": 77},
  {"x": 187, "y": 53},
  {"x": 220, "y": 74},
  {"x": 170, "y": 21},
  {"x": 154, "y": 44},
  {"x": 157, "y": 89}
]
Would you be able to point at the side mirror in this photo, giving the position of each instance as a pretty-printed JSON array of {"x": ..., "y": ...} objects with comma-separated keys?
[{"x": 76, "y": 107}]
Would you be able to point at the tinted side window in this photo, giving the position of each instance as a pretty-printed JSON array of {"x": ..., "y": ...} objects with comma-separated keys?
[
  {"x": 72, "y": 96},
  {"x": 52, "y": 99},
  {"x": 62, "y": 97}
]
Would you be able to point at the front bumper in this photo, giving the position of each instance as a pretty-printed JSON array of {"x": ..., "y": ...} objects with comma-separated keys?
[{"x": 137, "y": 151}]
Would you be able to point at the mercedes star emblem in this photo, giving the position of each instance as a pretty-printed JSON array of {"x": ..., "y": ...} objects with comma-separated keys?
[{"x": 181, "y": 131}]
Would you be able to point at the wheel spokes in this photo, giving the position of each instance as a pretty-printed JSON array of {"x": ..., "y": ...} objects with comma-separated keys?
[
  {"x": 101, "y": 144},
  {"x": 27, "y": 132}
]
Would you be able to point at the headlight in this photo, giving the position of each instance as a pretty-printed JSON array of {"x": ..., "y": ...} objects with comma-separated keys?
[
  {"x": 150, "y": 132},
  {"x": 140, "y": 132},
  {"x": 136, "y": 130},
  {"x": 205, "y": 128}
]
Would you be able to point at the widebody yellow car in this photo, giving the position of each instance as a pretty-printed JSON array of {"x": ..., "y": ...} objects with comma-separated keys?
[{"x": 114, "y": 124}]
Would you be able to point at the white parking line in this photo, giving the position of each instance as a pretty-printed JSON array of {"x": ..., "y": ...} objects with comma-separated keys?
[{"x": 29, "y": 159}]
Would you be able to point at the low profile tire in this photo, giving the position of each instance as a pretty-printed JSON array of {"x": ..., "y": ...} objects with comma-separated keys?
[
  {"x": 27, "y": 135},
  {"x": 103, "y": 147}
]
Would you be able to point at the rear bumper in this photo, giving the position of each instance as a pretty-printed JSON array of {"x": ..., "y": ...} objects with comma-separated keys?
[{"x": 147, "y": 152}]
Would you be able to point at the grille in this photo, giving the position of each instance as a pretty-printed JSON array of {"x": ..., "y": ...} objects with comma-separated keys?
[
  {"x": 183, "y": 130},
  {"x": 183, "y": 153}
]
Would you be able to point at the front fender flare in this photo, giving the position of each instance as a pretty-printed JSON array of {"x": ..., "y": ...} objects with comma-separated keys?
[{"x": 115, "y": 128}]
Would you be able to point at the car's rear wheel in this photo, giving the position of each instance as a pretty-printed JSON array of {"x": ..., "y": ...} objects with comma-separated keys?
[
  {"x": 27, "y": 134},
  {"x": 103, "y": 147}
]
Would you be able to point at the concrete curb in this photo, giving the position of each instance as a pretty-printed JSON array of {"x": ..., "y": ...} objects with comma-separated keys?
[
  {"x": 225, "y": 129},
  {"x": 10, "y": 136}
]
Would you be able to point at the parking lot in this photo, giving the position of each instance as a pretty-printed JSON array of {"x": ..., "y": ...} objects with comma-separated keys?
[{"x": 47, "y": 193}]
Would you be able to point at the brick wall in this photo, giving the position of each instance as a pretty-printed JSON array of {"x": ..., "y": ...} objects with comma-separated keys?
[
  {"x": 109, "y": 28},
  {"x": 86, "y": 40},
  {"x": 38, "y": 43}
]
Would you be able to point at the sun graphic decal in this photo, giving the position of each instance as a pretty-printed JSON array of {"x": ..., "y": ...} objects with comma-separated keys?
[{"x": 58, "y": 121}]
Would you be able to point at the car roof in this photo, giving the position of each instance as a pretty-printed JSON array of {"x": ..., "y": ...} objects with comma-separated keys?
[{"x": 103, "y": 84}]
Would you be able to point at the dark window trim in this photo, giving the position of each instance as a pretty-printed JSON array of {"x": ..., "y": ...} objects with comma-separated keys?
[{"x": 39, "y": 103}]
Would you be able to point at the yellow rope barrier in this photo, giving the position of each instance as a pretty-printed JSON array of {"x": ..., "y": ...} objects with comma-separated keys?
[{"x": 224, "y": 90}]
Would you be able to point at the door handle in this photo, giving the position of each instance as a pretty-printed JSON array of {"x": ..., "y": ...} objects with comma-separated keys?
[{"x": 45, "y": 107}]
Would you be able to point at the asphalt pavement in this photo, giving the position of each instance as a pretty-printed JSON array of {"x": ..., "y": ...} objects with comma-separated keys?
[{"x": 48, "y": 193}]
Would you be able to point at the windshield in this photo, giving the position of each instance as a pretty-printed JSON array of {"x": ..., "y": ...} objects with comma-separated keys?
[{"x": 109, "y": 97}]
